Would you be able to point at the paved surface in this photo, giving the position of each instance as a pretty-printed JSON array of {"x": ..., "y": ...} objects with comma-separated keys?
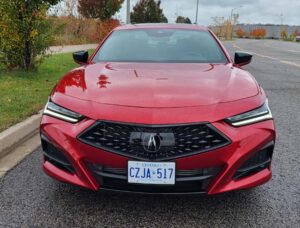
[
  {"x": 29, "y": 198},
  {"x": 71, "y": 48}
]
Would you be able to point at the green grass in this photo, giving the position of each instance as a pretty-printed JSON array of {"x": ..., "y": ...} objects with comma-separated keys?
[{"x": 25, "y": 93}]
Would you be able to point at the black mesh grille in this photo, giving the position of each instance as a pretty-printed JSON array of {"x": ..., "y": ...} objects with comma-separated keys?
[{"x": 170, "y": 141}]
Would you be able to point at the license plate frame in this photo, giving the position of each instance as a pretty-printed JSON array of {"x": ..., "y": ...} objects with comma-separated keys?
[{"x": 153, "y": 167}]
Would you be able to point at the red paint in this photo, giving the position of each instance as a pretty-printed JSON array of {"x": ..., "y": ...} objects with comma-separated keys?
[{"x": 160, "y": 93}]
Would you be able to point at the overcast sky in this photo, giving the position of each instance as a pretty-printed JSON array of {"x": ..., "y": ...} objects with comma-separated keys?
[{"x": 250, "y": 11}]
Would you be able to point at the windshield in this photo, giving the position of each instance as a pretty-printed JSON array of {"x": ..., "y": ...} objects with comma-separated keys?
[{"x": 161, "y": 45}]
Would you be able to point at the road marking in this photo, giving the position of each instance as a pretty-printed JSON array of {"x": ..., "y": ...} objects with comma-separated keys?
[
  {"x": 288, "y": 50},
  {"x": 268, "y": 57},
  {"x": 290, "y": 63}
]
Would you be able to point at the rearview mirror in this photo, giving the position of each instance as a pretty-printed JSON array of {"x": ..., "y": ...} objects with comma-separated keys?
[
  {"x": 242, "y": 58},
  {"x": 81, "y": 57}
]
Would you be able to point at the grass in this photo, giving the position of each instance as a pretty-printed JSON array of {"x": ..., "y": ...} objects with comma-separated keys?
[{"x": 23, "y": 94}]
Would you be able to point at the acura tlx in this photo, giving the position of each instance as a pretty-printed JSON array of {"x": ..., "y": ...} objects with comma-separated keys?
[{"x": 159, "y": 108}]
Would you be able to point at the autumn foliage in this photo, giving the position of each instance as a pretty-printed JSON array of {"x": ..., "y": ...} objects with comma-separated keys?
[
  {"x": 258, "y": 33},
  {"x": 106, "y": 27},
  {"x": 75, "y": 30},
  {"x": 240, "y": 33},
  {"x": 25, "y": 32}
]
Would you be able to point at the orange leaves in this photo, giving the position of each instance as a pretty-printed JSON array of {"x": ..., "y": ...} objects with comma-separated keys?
[
  {"x": 81, "y": 30},
  {"x": 107, "y": 26},
  {"x": 240, "y": 33},
  {"x": 258, "y": 33}
]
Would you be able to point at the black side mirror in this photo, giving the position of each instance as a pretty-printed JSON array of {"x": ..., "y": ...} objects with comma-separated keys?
[
  {"x": 81, "y": 57},
  {"x": 242, "y": 58}
]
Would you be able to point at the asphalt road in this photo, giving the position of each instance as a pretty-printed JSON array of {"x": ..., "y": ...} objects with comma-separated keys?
[{"x": 29, "y": 198}]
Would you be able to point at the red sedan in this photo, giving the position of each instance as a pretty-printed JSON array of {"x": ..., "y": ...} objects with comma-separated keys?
[{"x": 159, "y": 109}]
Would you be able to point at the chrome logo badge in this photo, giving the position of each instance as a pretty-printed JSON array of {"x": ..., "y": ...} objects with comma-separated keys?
[{"x": 152, "y": 143}]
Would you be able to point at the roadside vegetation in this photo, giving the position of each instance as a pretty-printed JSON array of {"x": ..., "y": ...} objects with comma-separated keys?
[
  {"x": 28, "y": 28},
  {"x": 260, "y": 33},
  {"x": 24, "y": 93},
  {"x": 25, "y": 32},
  {"x": 95, "y": 19},
  {"x": 228, "y": 28}
]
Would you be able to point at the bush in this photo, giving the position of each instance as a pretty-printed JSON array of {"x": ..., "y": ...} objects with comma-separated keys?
[
  {"x": 25, "y": 32},
  {"x": 107, "y": 26},
  {"x": 240, "y": 33},
  {"x": 73, "y": 30},
  {"x": 258, "y": 33}
]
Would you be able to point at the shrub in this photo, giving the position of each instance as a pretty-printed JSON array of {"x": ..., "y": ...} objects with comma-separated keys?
[
  {"x": 283, "y": 34},
  {"x": 25, "y": 32},
  {"x": 73, "y": 30},
  {"x": 107, "y": 26},
  {"x": 240, "y": 33},
  {"x": 258, "y": 33}
]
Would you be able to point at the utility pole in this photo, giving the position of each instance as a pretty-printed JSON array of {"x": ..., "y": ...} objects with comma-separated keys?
[
  {"x": 128, "y": 12},
  {"x": 281, "y": 19},
  {"x": 197, "y": 8}
]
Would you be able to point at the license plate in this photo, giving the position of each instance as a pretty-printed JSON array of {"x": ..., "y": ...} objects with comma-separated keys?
[{"x": 162, "y": 173}]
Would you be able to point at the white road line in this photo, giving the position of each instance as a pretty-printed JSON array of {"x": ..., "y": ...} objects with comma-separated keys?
[
  {"x": 288, "y": 50},
  {"x": 290, "y": 63},
  {"x": 293, "y": 51},
  {"x": 268, "y": 57}
]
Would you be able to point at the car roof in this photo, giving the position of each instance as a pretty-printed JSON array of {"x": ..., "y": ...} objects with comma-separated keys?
[{"x": 161, "y": 26}]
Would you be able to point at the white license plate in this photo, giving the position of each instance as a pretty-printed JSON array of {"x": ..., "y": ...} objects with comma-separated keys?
[{"x": 151, "y": 172}]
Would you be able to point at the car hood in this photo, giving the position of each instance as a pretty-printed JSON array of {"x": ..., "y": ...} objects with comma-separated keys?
[{"x": 158, "y": 85}]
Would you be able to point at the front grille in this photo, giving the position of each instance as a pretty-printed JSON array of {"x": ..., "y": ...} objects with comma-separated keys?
[
  {"x": 159, "y": 142},
  {"x": 187, "y": 181}
]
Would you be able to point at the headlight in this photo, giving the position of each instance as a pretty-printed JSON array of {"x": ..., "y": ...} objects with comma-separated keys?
[
  {"x": 59, "y": 112},
  {"x": 260, "y": 114}
]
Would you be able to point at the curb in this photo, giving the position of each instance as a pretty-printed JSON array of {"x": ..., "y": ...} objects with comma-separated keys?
[{"x": 18, "y": 134}]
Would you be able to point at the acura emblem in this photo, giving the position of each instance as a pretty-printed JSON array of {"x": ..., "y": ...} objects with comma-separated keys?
[{"x": 152, "y": 143}]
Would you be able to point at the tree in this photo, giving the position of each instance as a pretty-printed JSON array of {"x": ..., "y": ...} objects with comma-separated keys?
[
  {"x": 283, "y": 34},
  {"x": 258, "y": 33},
  {"x": 240, "y": 32},
  {"x": 99, "y": 9},
  {"x": 25, "y": 32},
  {"x": 185, "y": 20},
  {"x": 148, "y": 11}
]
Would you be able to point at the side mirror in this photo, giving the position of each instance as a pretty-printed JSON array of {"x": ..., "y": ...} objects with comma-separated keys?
[
  {"x": 242, "y": 58},
  {"x": 81, "y": 57}
]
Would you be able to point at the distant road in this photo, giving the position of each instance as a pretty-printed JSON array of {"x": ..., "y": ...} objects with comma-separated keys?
[
  {"x": 284, "y": 52},
  {"x": 71, "y": 48}
]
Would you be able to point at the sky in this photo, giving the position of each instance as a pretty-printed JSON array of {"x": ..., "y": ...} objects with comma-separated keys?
[{"x": 250, "y": 11}]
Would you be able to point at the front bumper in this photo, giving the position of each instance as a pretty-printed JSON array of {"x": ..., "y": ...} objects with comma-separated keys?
[{"x": 211, "y": 172}]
